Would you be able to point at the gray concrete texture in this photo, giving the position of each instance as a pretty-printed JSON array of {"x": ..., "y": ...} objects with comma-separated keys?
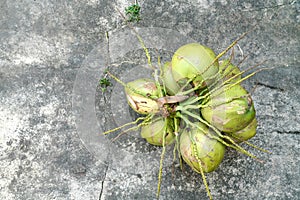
[{"x": 52, "y": 113}]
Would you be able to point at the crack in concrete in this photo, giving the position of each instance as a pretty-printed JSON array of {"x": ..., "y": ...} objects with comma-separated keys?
[
  {"x": 288, "y": 132},
  {"x": 270, "y": 86},
  {"x": 102, "y": 182},
  {"x": 107, "y": 164}
]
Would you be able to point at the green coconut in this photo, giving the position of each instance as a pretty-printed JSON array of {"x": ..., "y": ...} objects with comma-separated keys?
[
  {"x": 246, "y": 133},
  {"x": 170, "y": 83},
  {"x": 194, "y": 59},
  {"x": 141, "y": 95},
  {"x": 229, "y": 70},
  {"x": 157, "y": 129},
  {"x": 209, "y": 151},
  {"x": 229, "y": 108}
]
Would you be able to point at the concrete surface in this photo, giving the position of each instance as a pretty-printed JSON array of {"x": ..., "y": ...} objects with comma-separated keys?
[{"x": 49, "y": 47}]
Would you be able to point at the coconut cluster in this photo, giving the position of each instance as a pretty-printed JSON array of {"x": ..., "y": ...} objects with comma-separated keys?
[{"x": 198, "y": 103}]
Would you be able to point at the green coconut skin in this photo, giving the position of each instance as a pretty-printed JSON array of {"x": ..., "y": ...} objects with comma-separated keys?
[
  {"x": 192, "y": 59},
  {"x": 246, "y": 133},
  {"x": 144, "y": 86},
  {"x": 209, "y": 151},
  {"x": 170, "y": 83},
  {"x": 229, "y": 70},
  {"x": 155, "y": 131},
  {"x": 140, "y": 95},
  {"x": 230, "y": 110}
]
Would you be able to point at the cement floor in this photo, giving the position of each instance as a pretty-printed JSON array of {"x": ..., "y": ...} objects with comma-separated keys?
[{"x": 52, "y": 55}]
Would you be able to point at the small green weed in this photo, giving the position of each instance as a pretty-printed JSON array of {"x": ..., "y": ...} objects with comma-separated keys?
[{"x": 133, "y": 12}]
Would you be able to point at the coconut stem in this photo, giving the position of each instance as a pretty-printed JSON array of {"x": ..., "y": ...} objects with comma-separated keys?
[
  {"x": 181, "y": 92},
  {"x": 176, "y": 132},
  {"x": 157, "y": 84},
  {"x": 160, "y": 75},
  {"x": 126, "y": 131},
  {"x": 189, "y": 101},
  {"x": 226, "y": 50},
  {"x": 124, "y": 125},
  {"x": 256, "y": 147},
  {"x": 214, "y": 88},
  {"x": 144, "y": 123},
  {"x": 212, "y": 94},
  {"x": 139, "y": 38},
  {"x": 162, "y": 158}
]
